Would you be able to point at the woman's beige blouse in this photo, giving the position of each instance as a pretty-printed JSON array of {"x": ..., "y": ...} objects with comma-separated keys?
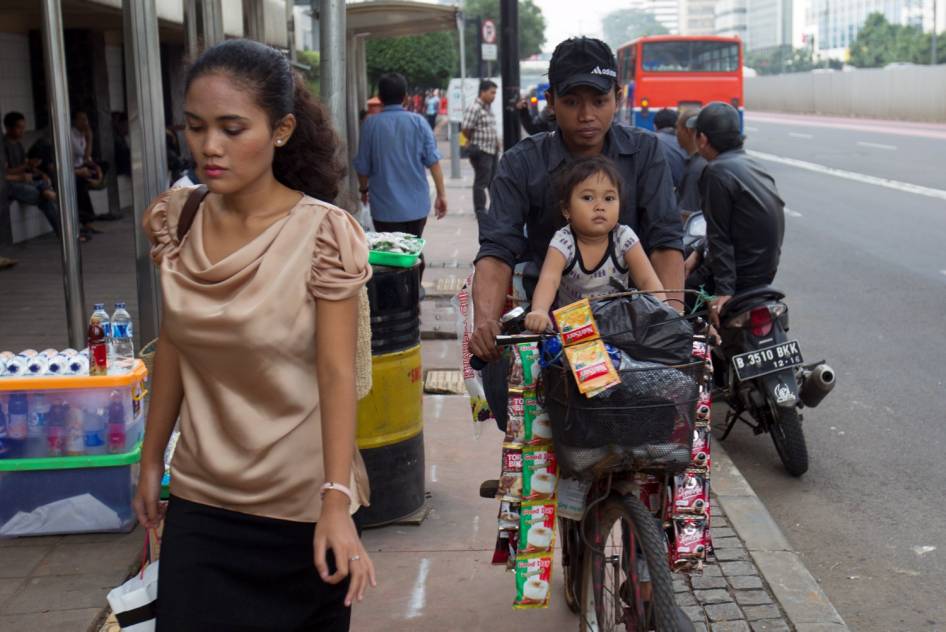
[{"x": 251, "y": 436}]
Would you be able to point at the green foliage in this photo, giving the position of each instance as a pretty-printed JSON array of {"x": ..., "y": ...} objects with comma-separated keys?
[
  {"x": 624, "y": 25},
  {"x": 312, "y": 76},
  {"x": 427, "y": 61},
  {"x": 531, "y": 28},
  {"x": 781, "y": 59},
  {"x": 879, "y": 43}
]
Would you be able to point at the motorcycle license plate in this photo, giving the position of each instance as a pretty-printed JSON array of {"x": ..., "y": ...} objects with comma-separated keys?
[{"x": 768, "y": 360}]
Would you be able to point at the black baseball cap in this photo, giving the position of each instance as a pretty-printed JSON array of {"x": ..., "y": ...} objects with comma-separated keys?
[
  {"x": 582, "y": 61},
  {"x": 716, "y": 118}
]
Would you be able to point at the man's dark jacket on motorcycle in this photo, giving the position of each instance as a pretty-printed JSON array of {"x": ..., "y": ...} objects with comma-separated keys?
[{"x": 745, "y": 222}]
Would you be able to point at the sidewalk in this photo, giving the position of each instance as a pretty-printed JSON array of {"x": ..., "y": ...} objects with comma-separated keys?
[{"x": 435, "y": 577}]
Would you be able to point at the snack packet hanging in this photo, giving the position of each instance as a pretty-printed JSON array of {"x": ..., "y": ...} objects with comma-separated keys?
[
  {"x": 504, "y": 547},
  {"x": 533, "y": 582},
  {"x": 539, "y": 473},
  {"x": 576, "y": 323},
  {"x": 537, "y": 428},
  {"x": 509, "y": 514},
  {"x": 536, "y": 527},
  {"x": 515, "y": 422},
  {"x": 529, "y": 361},
  {"x": 510, "y": 480},
  {"x": 592, "y": 367}
]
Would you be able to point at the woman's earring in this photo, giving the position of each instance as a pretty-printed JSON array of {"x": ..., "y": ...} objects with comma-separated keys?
[{"x": 279, "y": 142}]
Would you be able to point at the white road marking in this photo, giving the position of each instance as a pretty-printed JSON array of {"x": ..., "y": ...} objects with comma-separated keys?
[
  {"x": 459, "y": 232},
  {"x": 438, "y": 407},
  {"x": 923, "y": 550},
  {"x": 433, "y": 473},
  {"x": 476, "y": 525},
  {"x": 896, "y": 185},
  {"x": 799, "y": 135},
  {"x": 864, "y": 143},
  {"x": 792, "y": 213},
  {"x": 751, "y": 129},
  {"x": 456, "y": 252},
  {"x": 419, "y": 594}
]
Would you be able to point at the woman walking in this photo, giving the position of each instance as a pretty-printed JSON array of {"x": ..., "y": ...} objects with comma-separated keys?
[{"x": 257, "y": 356}]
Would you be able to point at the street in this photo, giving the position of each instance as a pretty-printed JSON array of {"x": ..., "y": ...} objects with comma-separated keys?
[{"x": 864, "y": 269}]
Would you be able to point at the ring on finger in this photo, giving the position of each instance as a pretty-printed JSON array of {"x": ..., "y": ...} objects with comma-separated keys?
[{"x": 354, "y": 558}]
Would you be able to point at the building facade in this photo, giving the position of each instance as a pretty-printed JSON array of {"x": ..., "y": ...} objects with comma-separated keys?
[
  {"x": 731, "y": 19},
  {"x": 697, "y": 17},
  {"x": 667, "y": 12},
  {"x": 837, "y": 22}
]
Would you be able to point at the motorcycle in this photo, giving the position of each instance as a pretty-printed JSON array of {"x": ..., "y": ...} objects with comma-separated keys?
[{"x": 759, "y": 371}]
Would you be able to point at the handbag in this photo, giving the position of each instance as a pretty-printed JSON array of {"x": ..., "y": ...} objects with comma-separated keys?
[
  {"x": 363, "y": 380},
  {"x": 135, "y": 602}
]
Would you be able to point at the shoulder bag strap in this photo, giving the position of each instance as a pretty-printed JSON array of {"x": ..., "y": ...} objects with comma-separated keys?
[{"x": 190, "y": 210}]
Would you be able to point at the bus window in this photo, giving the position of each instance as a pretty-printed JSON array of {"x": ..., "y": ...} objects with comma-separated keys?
[{"x": 691, "y": 56}]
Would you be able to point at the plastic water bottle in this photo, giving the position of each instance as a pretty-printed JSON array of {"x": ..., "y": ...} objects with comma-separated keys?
[
  {"x": 102, "y": 317},
  {"x": 122, "y": 340},
  {"x": 56, "y": 429},
  {"x": 39, "y": 414},
  {"x": 116, "y": 427}
]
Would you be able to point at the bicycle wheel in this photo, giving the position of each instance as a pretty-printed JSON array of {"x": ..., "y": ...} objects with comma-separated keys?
[
  {"x": 622, "y": 539},
  {"x": 571, "y": 562}
]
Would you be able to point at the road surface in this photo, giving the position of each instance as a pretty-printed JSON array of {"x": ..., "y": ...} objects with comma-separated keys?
[{"x": 864, "y": 267}]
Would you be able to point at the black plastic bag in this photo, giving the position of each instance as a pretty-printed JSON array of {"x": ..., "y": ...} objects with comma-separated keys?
[{"x": 645, "y": 328}]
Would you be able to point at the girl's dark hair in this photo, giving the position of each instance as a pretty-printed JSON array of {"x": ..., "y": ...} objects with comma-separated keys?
[
  {"x": 582, "y": 169},
  {"x": 309, "y": 161}
]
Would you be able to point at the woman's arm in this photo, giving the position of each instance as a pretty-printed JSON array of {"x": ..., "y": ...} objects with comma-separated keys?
[
  {"x": 642, "y": 272},
  {"x": 167, "y": 392},
  {"x": 549, "y": 281},
  {"x": 336, "y": 335}
]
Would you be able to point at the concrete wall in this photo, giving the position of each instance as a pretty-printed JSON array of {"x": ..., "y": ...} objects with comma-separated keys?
[{"x": 915, "y": 93}]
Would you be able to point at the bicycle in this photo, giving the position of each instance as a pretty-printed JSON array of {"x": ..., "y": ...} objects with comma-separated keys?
[{"x": 615, "y": 558}]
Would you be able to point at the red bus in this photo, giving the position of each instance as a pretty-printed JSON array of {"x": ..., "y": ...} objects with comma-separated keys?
[{"x": 678, "y": 71}]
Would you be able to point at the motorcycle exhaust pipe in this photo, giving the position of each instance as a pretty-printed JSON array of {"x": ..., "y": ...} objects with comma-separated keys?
[{"x": 816, "y": 384}]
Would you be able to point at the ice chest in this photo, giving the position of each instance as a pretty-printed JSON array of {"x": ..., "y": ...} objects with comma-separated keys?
[
  {"x": 70, "y": 494},
  {"x": 84, "y": 422}
]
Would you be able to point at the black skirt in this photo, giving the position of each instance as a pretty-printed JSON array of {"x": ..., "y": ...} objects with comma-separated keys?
[{"x": 227, "y": 571}]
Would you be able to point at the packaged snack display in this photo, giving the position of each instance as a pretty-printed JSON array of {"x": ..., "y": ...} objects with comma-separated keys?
[
  {"x": 510, "y": 481},
  {"x": 509, "y": 513},
  {"x": 537, "y": 428},
  {"x": 536, "y": 527},
  {"x": 529, "y": 361},
  {"x": 690, "y": 540},
  {"x": 576, "y": 323},
  {"x": 691, "y": 492},
  {"x": 533, "y": 582},
  {"x": 539, "y": 473},
  {"x": 515, "y": 421},
  {"x": 592, "y": 367}
]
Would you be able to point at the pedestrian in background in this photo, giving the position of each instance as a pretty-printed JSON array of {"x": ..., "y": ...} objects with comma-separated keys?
[
  {"x": 688, "y": 192},
  {"x": 433, "y": 107},
  {"x": 396, "y": 149},
  {"x": 24, "y": 183},
  {"x": 479, "y": 127},
  {"x": 665, "y": 123},
  {"x": 258, "y": 532}
]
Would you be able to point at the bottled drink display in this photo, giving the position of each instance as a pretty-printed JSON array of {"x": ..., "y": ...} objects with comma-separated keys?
[
  {"x": 122, "y": 341},
  {"x": 98, "y": 348}
]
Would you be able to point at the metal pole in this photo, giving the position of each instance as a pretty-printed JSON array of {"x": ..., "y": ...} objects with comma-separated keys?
[
  {"x": 455, "y": 127},
  {"x": 211, "y": 13},
  {"x": 58, "y": 90},
  {"x": 291, "y": 30},
  {"x": 333, "y": 69},
  {"x": 509, "y": 67},
  {"x": 191, "y": 34},
  {"x": 148, "y": 151},
  {"x": 253, "y": 20}
]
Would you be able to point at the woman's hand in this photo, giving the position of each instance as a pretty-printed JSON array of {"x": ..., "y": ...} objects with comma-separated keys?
[
  {"x": 538, "y": 322},
  {"x": 147, "y": 502},
  {"x": 336, "y": 531}
]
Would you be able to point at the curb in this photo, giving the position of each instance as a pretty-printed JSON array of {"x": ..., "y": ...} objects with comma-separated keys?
[{"x": 806, "y": 606}]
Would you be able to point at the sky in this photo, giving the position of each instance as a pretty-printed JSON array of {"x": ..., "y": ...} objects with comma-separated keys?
[{"x": 564, "y": 18}]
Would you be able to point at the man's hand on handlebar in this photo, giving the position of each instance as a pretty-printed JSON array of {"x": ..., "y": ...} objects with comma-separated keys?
[
  {"x": 483, "y": 341},
  {"x": 538, "y": 322}
]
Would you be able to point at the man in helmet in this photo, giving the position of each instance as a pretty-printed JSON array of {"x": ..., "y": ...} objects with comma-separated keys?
[{"x": 745, "y": 218}]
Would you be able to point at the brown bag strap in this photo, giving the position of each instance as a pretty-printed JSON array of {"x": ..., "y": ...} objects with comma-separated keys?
[{"x": 190, "y": 210}]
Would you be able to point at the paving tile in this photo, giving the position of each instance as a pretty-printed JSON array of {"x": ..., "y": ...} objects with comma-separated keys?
[
  {"x": 731, "y": 555},
  {"x": 798, "y": 591},
  {"x": 720, "y": 521},
  {"x": 745, "y": 582},
  {"x": 710, "y": 569},
  {"x": 738, "y": 568},
  {"x": 772, "y": 625},
  {"x": 767, "y": 611},
  {"x": 730, "y": 626},
  {"x": 63, "y": 592},
  {"x": 727, "y": 543},
  {"x": 49, "y": 540},
  {"x": 8, "y": 587},
  {"x": 722, "y": 532},
  {"x": 752, "y": 597},
  {"x": 723, "y": 612},
  {"x": 55, "y": 621},
  {"x": 712, "y": 596},
  {"x": 685, "y": 599},
  {"x": 699, "y": 626},
  {"x": 72, "y": 557},
  {"x": 707, "y": 583},
  {"x": 21, "y": 560},
  {"x": 680, "y": 585},
  {"x": 695, "y": 613}
]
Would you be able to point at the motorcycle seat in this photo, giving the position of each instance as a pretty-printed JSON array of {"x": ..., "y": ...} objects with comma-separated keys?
[{"x": 749, "y": 298}]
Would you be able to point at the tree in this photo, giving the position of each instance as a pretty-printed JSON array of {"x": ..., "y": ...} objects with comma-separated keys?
[
  {"x": 531, "y": 27},
  {"x": 624, "y": 25},
  {"x": 780, "y": 59},
  {"x": 879, "y": 43},
  {"x": 427, "y": 61},
  {"x": 312, "y": 77}
]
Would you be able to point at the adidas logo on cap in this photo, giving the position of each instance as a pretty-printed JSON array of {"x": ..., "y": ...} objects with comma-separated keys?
[{"x": 598, "y": 70}]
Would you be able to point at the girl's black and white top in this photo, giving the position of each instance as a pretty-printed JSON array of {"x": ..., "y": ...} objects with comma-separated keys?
[{"x": 579, "y": 282}]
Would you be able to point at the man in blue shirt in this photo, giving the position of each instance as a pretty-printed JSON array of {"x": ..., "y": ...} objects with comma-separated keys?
[{"x": 396, "y": 146}]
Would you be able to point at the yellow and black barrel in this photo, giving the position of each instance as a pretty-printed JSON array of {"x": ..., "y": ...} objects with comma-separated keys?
[{"x": 390, "y": 418}]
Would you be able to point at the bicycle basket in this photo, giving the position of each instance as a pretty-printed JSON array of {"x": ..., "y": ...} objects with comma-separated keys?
[{"x": 645, "y": 422}]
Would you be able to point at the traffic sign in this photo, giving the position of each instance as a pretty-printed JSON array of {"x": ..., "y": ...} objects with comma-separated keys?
[
  {"x": 489, "y": 32},
  {"x": 490, "y": 52}
]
